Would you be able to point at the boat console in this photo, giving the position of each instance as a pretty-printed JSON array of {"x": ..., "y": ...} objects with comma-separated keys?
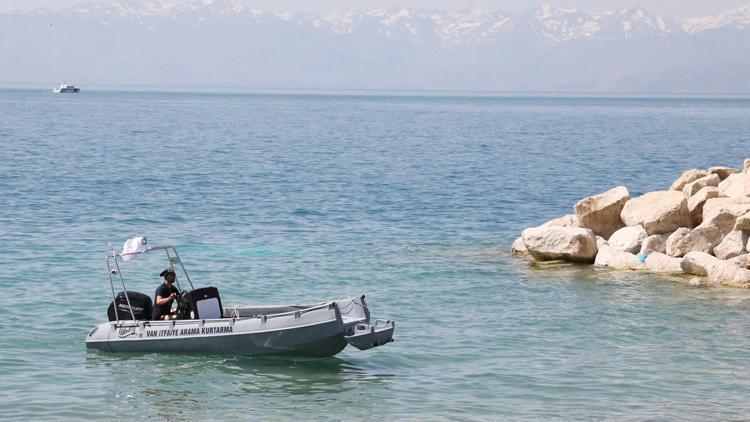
[{"x": 202, "y": 303}]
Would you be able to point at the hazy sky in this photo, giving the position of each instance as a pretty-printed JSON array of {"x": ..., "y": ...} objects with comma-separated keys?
[{"x": 676, "y": 8}]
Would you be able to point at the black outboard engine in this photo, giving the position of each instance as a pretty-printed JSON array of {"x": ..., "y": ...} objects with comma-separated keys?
[
  {"x": 139, "y": 303},
  {"x": 203, "y": 303}
]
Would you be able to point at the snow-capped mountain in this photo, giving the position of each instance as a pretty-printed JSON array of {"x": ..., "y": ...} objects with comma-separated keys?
[
  {"x": 176, "y": 9},
  {"x": 735, "y": 19},
  {"x": 227, "y": 42},
  {"x": 472, "y": 26}
]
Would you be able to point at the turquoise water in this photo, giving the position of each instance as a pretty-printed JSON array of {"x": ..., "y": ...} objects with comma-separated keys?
[{"x": 413, "y": 200}]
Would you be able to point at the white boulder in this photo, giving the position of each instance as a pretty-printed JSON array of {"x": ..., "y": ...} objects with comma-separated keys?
[
  {"x": 567, "y": 220},
  {"x": 658, "y": 212},
  {"x": 706, "y": 236},
  {"x": 687, "y": 177},
  {"x": 715, "y": 270},
  {"x": 722, "y": 172},
  {"x": 654, "y": 243},
  {"x": 735, "y": 206},
  {"x": 554, "y": 242},
  {"x": 732, "y": 245},
  {"x": 519, "y": 248},
  {"x": 696, "y": 281},
  {"x": 674, "y": 239},
  {"x": 742, "y": 260},
  {"x": 698, "y": 263},
  {"x": 696, "y": 202},
  {"x": 727, "y": 273},
  {"x": 616, "y": 259},
  {"x": 661, "y": 263},
  {"x": 734, "y": 186},
  {"x": 692, "y": 188},
  {"x": 628, "y": 239},
  {"x": 601, "y": 213},
  {"x": 742, "y": 222}
]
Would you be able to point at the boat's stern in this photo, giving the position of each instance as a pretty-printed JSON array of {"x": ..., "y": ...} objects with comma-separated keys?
[
  {"x": 358, "y": 330},
  {"x": 365, "y": 336}
]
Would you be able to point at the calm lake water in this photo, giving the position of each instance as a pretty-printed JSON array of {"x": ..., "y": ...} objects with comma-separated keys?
[{"x": 412, "y": 200}]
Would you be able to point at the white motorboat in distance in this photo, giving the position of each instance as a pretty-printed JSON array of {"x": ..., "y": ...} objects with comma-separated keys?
[
  {"x": 65, "y": 88},
  {"x": 205, "y": 326}
]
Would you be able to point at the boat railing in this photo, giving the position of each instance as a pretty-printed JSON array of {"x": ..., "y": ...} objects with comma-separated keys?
[
  {"x": 113, "y": 268},
  {"x": 296, "y": 312},
  {"x": 263, "y": 317}
]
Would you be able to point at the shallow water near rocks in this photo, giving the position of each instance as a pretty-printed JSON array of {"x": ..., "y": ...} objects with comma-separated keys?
[{"x": 412, "y": 200}]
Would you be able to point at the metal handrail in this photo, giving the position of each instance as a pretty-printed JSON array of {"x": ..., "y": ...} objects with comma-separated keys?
[
  {"x": 114, "y": 255},
  {"x": 300, "y": 311},
  {"x": 179, "y": 260}
]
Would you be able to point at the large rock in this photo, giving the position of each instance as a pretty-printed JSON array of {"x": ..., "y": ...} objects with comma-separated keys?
[
  {"x": 614, "y": 258},
  {"x": 706, "y": 236},
  {"x": 658, "y": 212},
  {"x": 746, "y": 166},
  {"x": 628, "y": 239},
  {"x": 674, "y": 239},
  {"x": 554, "y": 242},
  {"x": 732, "y": 245},
  {"x": 727, "y": 273},
  {"x": 519, "y": 248},
  {"x": 691, "y": 188},
  {"x": 734, "y": 186},
  {"x": 654, "y": 243},
  {"x": 661, "y": 263},
  {"x": 735, "y": 206},
  {"x": 722, "y": 172},
  {"x": 698, "y": 263},
  {"x": 567, "y": 220},
  {"x": 687, "y": 177},
  {"x": 742, "y": 260},
  {"x": 601, "y": 213},
  {"x": 742, "y": 222},
  {"x": 696, "y": 202}
]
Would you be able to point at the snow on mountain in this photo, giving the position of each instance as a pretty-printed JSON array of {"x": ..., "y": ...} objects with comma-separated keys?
[
  {"x": 228, "y": 42},
  {"x": 136, "y": 9},
  {"x": 468, "y": 27},
  {"x": 737, "y": 18}
]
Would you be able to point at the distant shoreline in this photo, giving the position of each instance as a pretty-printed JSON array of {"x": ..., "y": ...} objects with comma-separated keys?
[{"x": 386, "y": 92}]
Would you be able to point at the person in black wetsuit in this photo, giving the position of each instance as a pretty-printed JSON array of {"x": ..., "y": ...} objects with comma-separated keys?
[{"x": 166, "y": 293}]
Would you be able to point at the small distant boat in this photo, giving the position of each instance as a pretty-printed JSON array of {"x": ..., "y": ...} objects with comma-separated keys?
[{"x": 65, "y": 88}]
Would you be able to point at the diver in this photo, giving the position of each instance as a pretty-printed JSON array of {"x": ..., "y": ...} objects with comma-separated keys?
[{"x": 165, "y": 295}]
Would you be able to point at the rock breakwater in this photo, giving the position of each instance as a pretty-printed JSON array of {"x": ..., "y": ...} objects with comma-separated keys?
[{"x": 699, "y": 226}]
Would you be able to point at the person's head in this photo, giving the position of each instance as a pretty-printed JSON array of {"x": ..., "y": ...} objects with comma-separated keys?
[{"x": 169, "y": 276}]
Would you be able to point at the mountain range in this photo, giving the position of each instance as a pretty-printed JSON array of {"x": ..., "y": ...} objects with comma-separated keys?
[{"x": 226, "y": 43}]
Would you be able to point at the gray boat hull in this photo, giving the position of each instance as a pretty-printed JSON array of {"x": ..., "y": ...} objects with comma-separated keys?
[{"x": 305, "y": 331}]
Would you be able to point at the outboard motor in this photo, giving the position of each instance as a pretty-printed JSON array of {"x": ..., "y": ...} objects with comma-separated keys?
[
  {"x": 139, "y": 303},
  {"x": 203, "y": 303}
]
